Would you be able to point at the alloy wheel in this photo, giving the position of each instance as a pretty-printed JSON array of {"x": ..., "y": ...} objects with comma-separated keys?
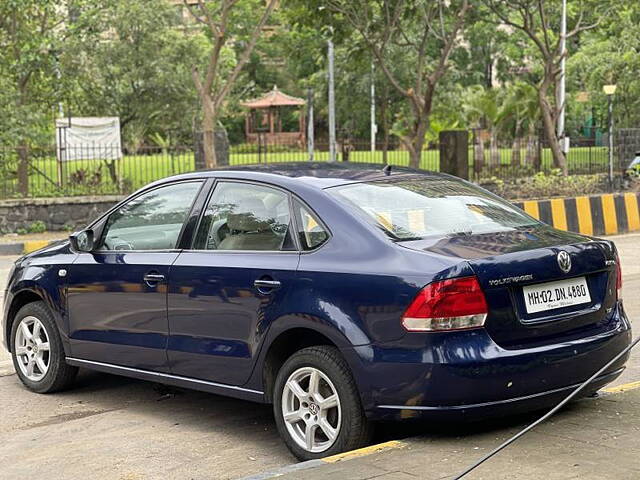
[
  {"x": 311, "y": 409},
  {"x": 32, "y": 348}
]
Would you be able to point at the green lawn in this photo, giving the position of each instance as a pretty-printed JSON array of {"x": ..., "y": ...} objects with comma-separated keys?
[{"x": 134, "y": 171}]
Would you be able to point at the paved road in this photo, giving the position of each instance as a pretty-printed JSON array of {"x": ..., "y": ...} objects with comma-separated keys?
[{"x": 116, "y": 428}]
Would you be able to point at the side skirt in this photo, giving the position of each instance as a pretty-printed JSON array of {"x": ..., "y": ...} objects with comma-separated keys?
[{"x": 168, "y": 379}]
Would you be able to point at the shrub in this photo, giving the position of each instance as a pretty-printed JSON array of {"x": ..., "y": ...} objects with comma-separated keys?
[
  {"x": 253, "y": 148},
  {"x": 37, "y": 227},
  {"x": 545, "y": 185}
]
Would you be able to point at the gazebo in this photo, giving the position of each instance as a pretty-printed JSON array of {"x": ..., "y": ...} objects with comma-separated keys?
[{"x": 265, "y": 119}]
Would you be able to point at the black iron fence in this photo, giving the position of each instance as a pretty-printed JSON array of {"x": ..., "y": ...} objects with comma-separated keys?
[
  {"x": 528, "y": 156},
  {"x": 95, "y": 170}
]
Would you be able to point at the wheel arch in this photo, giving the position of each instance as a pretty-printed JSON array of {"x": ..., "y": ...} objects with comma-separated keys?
[
  {"x": 285, "y": 344},
  {"x": 19, "y": 300}
]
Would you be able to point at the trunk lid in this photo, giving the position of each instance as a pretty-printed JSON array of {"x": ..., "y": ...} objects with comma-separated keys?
[{"x": 507, "y": 262}]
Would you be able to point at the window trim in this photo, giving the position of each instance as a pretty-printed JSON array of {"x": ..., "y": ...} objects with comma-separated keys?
[
  {"x": 317, "y": 217},
  {"x": 107, "y": 215},
  {"x": 290, "y": 195}
]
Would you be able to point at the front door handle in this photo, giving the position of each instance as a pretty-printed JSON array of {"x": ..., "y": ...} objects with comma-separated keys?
[
  {"x": 266, "y": 285},
  {"x": 152, "y": 279}
]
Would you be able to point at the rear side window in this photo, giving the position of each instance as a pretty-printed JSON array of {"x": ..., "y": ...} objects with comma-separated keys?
[
  {"x": 419, "y": 207},
  {"x": 311, "y": 232},
  {"x": 244, "y": 216},
  {"x": 151, "y": 221}
]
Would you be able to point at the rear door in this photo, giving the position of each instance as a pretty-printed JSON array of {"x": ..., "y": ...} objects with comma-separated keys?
[
  {"x": 117, "y": 293},
  {"x": 225, "y": 292}
]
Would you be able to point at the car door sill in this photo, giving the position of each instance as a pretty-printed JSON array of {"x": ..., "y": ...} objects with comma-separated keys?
[{"x": 176, "y": 380}]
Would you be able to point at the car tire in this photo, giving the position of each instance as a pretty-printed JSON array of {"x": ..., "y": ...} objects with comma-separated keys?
[
  {"x": 313, "y": 421},
  {"x": 37, "y": 350}
]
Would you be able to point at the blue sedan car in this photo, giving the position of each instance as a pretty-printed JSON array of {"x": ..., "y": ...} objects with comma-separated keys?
[{"x": 342, "y": 295}]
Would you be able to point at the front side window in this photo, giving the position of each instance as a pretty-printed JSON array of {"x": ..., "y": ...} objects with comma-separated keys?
[
  {"x": 243, "y": 216},
  {"x": 151, "y": 221},
  {"x": 420, "y": 207}
]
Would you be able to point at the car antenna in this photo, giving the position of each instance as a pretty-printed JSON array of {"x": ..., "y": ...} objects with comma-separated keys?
[{"x": 387, "y": 169}]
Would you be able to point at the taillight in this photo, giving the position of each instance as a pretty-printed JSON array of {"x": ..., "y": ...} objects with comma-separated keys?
[
  {"x": 453, "y": 304},
  {"x": 618, "y": 276}
]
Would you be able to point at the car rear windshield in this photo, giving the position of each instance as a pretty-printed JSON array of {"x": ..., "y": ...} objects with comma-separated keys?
[{"x": 421, "y": 206}]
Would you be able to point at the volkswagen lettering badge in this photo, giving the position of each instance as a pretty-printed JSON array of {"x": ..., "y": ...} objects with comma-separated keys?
[{"x": 564, "y": 261}]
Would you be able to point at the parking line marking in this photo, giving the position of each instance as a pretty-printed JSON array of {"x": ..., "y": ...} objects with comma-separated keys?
[
  {"x": 633, "y": 217},
  {"x": 531, "y": 207},
  {"x": 622, "y": 388},
  {"x": 584, "y": 215},
  {"x": 609, "y": 214},
  {"x": 558, "y": 213},
  {"x": 362, "y": 452}
]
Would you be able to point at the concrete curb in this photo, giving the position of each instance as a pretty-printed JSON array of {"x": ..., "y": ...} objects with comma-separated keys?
[
  {"x": 20, "y": 248},
  {"x": 606, "y": 214},
  {"x": 360, "y": 452}
]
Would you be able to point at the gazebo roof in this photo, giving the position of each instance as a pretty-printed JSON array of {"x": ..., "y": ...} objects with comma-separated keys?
[{"x": 275, "y": 98}]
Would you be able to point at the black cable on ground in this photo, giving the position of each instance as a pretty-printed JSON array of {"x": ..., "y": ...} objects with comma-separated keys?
[{"x": 548, "y": 414}]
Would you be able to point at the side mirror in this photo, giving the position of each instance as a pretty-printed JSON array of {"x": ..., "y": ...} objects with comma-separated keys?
[{"x": 82, "y": 241}]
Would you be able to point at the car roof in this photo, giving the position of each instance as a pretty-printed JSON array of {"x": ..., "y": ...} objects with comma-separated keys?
[{"x": 319, "y": 174}]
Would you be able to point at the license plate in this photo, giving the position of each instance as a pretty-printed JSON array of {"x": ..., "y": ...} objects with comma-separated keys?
[{"x": 552, "y": 295}]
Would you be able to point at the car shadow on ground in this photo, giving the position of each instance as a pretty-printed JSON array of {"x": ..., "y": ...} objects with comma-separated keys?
[{"x": 204, "y": 411}]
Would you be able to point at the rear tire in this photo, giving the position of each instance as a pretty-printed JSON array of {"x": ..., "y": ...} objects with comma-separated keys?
[
  {"x": 37, "y": 351},
  {"x": 316, "y": 393}
]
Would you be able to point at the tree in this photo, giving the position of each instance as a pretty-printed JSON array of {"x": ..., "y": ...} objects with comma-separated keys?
[
  {"x": 214, "y": 85},
  {"x": 419, "y": 33},
  {"x": 28, "y": 38},
  {"x": 608, "y": 55},
  {"x": 537, "y": 20},
  {"x": 128, "y": 60}
]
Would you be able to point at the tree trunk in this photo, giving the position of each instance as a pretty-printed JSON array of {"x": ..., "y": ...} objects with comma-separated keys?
[
  {"x": 209, "y": 117},
  {"x": 494, "y": 151},
  {"x": 549, "y": 124},
  {"x": 23, "y": 169},
  {"x": 415, "y": 142},
  {"x": 533, "y": 148},
  {"x": 516, "y": 158},
  {"x": 113, "y": 174},
  {"x": 478, "y": 151}
]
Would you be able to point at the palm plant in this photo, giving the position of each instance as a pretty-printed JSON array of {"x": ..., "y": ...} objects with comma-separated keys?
[
  {"x": 521, "y": 110},
  {"x": 482, "y": 110}
]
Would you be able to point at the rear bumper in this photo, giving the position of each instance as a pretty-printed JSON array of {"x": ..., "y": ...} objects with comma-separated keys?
[
  {"x": 479, "y": 411},
  {"x": 467, "y": 375}
]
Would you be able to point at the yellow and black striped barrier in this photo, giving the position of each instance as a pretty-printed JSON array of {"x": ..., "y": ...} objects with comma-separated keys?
[{"x": 606, "y": 214}]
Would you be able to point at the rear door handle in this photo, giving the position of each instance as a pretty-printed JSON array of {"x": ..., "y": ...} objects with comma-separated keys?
[
  {"x": 266, "y": 286},
  {"x": 153, "y": 278}
]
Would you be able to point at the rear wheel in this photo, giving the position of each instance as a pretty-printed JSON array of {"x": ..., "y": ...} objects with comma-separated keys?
[
  {"x": 317, "y": 406},
  {"x": 37, "y": 351}
]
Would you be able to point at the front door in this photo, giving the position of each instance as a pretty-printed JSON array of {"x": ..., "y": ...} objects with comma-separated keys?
[
  {"x": 117, "y": 294},
  {"x": 225, "y": 292}
]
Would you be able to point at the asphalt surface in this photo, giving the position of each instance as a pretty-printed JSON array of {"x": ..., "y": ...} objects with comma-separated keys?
[{"x": 111, "y": 427}]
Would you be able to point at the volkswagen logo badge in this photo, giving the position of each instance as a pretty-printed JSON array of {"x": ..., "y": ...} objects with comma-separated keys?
[{"x": 564, "y": 261}]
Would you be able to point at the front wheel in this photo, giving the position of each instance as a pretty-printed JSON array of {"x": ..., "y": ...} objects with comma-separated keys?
[
  {"x": 316, "y": 405},
  {"x": 37, "y": 351}
]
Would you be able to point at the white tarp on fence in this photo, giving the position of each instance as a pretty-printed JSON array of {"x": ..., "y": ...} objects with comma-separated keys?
[{"x": 88, "y": 138}]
